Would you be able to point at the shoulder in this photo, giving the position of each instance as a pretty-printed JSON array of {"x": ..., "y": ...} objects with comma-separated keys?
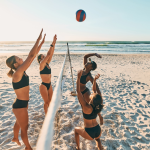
[
  {"x": 42, "y": 65},
  {"x": 17, "y": 76},
  {"x": 89, "y": 74}
]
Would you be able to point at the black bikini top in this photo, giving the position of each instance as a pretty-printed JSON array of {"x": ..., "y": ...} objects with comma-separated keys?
[
  {"x": 46, "y": 70},
  {"x": 89, "y": 116},
  {"x": 22, "y": 83},
  {"x": 83, "y": 78}
]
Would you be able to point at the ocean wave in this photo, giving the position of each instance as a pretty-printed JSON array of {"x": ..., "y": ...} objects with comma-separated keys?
[{"x": 119, "y": 42}]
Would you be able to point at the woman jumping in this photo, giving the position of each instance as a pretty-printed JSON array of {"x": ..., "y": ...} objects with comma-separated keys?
[
  {"x": 20, "y": 82},
  {"x": 86, "y": 75},
  {"x": 46, "y": 89},
  {"x": 91, "y": 129}
]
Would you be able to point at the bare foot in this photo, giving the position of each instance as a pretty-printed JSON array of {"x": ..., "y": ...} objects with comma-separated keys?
[
  {"x": 77, "y": 148},
  {"x": 16, "y": 140}
]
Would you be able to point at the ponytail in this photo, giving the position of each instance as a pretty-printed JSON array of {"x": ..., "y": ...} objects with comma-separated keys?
[
  {"x": 10, "y": 73},
  {"x": 10, "y": 63},
  {"x": 98, "y": 108}
]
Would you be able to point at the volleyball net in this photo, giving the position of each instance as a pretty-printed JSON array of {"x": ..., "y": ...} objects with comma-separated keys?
[{"x": 46, "y": 135}]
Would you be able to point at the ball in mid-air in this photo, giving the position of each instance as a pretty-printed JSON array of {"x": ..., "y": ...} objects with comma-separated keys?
[{"x": 80, "y": 15}]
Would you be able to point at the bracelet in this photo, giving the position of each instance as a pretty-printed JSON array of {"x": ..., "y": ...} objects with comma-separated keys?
[{"x": 51, "y": 45}]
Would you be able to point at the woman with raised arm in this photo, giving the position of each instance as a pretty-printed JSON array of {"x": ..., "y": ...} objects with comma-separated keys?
[
  {"x": 90, "y": 110},
  {"x": 46, "y": 89},
  {"x": 86, "y": 75},
  {"x": 20, "y": 82}
]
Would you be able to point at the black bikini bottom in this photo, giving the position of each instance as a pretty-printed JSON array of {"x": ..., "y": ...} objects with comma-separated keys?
[
  {"x": 20, "y": 104},
  {"x": 94, "y": 132},
  {"x": 47, "y": 85},
  {"x": 83, "y": 92}
]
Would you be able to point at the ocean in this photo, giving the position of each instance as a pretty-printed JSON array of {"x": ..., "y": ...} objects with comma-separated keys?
[{"x": 101, "y": 47}]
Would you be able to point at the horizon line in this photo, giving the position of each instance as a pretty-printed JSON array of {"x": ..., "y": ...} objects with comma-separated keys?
[{"x": 85, "y": 41}]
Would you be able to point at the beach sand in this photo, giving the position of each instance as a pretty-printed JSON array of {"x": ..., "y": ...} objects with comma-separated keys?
[{"x": 125, "y": 87}]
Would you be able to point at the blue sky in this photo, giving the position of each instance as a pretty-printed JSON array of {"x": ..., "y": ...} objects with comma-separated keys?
[{"x": 106, "y": 20}]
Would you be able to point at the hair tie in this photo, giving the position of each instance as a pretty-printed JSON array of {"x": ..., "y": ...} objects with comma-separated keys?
[{"x": 97, "y": 107}]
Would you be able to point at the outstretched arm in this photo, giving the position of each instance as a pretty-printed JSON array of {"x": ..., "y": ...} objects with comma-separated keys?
[
  {"x": 95, "y": 86},
  {"x": 49, "y": 55},
  {"x": 52, "y": 51},
  {"x": 33, "y": 51},
  {"x": 94, "y": 83},
  {"x": 30, "y": 57},
  {"x": 80, "y": 96},
  {"x": 89, "y": 55},
  {"x": 42, "y": 42}
]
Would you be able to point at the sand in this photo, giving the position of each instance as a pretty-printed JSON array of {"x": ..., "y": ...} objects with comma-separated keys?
[{"x": 125, "y": 87}]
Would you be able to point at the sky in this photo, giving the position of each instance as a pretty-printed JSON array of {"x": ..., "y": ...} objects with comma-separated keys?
[{"x": 106, "y": 20}]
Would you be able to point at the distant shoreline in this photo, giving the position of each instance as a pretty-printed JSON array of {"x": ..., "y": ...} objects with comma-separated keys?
[{"x": 63, "y": 53}]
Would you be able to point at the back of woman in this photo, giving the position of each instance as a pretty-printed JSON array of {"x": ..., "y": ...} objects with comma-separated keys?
[{"x": 90, "y": 110}]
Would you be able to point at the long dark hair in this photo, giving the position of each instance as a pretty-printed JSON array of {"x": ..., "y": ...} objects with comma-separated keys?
[
  {"x": 97, "y": 104},
  {"x": 94, "y": 65},
  {"x": 10, "y": 63}
]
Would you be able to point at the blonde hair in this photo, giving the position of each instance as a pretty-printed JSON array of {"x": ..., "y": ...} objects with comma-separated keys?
[{"x": 10, "y": 63}]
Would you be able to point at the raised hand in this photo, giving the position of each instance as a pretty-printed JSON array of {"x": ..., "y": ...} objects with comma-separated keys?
[
  {"x": 97, "y": 76},
  {"x": 97, "y": 55},
  {"x": 43, "y": 39},
  {"x": 40, "y": 36},
  {"x": 54, "y": 39},
  {"x": 80, "y": 73}
]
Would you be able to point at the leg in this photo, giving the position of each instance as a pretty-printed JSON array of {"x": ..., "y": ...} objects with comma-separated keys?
[
  {"x": 83, "y": 133},
  {"x": 50, "y": 93},
  {"x": 16, "y": 132},
  {"x": 87, "y": 96},
  {"x": 98, "y": 142},
  {"x": 22, "y": 119},
  {"x": 44, "y": 94}
]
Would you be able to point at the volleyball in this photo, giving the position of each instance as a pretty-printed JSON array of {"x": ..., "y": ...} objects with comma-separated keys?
[{"x": 80, "y": 15}]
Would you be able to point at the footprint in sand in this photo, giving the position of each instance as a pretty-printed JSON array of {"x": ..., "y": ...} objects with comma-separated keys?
[
  {"x": 144, "y": 95},
  {"x": 134, "y": 116},
  {"x": 68, "y": 126}
]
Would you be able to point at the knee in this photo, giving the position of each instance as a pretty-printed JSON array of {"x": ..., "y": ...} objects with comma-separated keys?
[
  {"x": 76, "y": 130},
  {"x": 24, "y": 129},
  {"x": 46, "y": 104}
]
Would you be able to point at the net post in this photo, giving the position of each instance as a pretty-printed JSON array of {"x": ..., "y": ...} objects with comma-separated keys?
[{"x": 70, "y": 66}]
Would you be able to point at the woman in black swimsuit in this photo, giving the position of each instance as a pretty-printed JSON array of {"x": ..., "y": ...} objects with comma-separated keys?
[
  {"x": 90, "y": 111},
  {"x": 20, "y": 81},
  {"x": 86, "y": 75},
  {"x": 46, "y": 89}
]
